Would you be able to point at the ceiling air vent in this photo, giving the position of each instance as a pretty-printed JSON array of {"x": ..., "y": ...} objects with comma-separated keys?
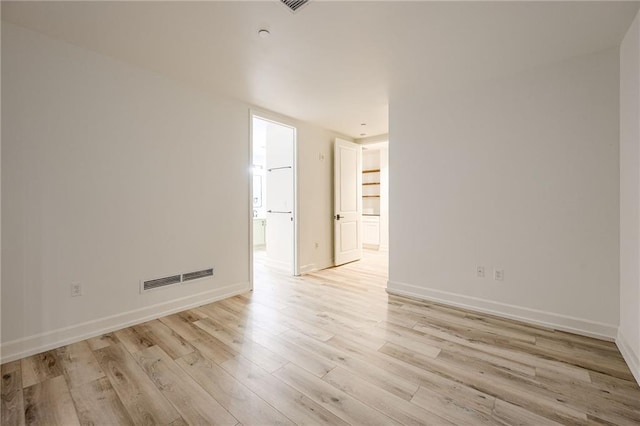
[
  {"x": 160, "y": 282},
  {"x": 197, "y": 275},
  {"x": 294, "y": 5}
]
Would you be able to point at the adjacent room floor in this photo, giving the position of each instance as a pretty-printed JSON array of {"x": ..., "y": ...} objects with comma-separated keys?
[{"x": 330, "y": 347}]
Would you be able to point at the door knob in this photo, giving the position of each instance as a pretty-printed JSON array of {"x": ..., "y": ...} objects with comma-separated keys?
[{"x": 337, "y": 217}]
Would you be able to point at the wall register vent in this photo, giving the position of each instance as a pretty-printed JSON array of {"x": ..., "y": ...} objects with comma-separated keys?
[
  {"x": 172, "y": 280},
  {"x": 197, "y": 275},
  {"x": 294, "y": 5},
  {"x": 161, "y": 282}
]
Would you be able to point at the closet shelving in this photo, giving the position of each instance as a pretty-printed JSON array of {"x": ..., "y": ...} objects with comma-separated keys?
[{"x": 371, "y": 188}]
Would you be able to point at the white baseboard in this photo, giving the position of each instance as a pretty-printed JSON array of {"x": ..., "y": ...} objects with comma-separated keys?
[
  {"x": 552, "y": 320},
  {"x": 31, "y": 345},
  {"x": 305, "y": 269},
  {"x": 313, "y": 267},
  {"x": 631, "y": 358}
]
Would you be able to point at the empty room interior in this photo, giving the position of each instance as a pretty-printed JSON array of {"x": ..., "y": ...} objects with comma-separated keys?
[{"x": 320, "y": 212}]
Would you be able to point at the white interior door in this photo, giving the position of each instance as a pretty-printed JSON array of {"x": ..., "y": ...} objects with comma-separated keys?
[
  {"x": 280, "y": 201},
  {"x": 347, "y": 168}
]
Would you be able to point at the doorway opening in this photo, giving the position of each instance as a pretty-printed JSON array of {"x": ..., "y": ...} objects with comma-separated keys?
[
  {"x": 361, "y": 202},
  {"x": 375, "y": 196},
  {"x": 273, "y": 195},
  {"x": 375, "y": 207}
]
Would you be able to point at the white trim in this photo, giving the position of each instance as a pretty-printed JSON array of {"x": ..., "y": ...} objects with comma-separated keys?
[
  {"x": 250, "y": 200},
  {"x": 552, "y": 320},
  {"x": 632, "y": 359},
  {"x": 296, "y": 224},
  {"x": 313, "y": 267},
  {"x": 31, "y": 345},
  {"x": 305, "y": 269}
]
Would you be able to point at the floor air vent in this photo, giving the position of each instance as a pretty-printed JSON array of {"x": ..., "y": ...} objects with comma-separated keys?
[
  {"x": 160, "y": 282},
  {"x": 197, "y": 275},
  {"x": 294, "y": 5}
]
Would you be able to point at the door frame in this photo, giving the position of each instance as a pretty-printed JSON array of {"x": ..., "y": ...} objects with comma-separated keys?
[
  {"x": 276, "y": 119},
  {"x": 337, "y": 191}
]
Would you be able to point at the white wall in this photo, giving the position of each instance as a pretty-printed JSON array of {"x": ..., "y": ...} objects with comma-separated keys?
[
  {"x": 629, "y": 333},
  {"x": 112, "y": 174},
  {"x": 315, "y": 196},
  {"x": 519, "y": 174}
]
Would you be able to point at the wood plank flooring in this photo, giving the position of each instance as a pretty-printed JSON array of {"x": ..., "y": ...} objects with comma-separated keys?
[{"x": 332, "y": 348}]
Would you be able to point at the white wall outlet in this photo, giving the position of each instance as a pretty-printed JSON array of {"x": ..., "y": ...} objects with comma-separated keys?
[
  {"x": 76, "y": 290},
  {"x": 480, "y": 271},
  {"x": 317, "y": 245},
  {"x": 498, "y": 274}
]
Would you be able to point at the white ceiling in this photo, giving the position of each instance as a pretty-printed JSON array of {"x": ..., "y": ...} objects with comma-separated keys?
[{"x": 333, "y": 63}]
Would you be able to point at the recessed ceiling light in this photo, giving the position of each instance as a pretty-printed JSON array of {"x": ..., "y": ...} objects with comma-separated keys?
[
  {"x": 264, "y": 33},
  {"x": 363, "y": 134}
]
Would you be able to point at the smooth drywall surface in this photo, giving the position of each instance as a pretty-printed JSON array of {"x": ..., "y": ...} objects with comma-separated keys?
[
  {"x": 629, "y": 332},
  {"x": 519, "y": 175},
  {"x": 315, "y": 197},
  {"x": 112, "y": 175}
]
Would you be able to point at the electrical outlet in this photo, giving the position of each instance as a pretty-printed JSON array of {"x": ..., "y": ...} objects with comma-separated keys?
[
  {"x": 498, "y": 274},
  {"x": 480, "y": 271},
  {"x": 317, "y": 245},
  {"x": 76, "y": 290}
]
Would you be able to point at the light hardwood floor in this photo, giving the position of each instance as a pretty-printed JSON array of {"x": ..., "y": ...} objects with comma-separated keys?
[{"x": 327, "y": 348}]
